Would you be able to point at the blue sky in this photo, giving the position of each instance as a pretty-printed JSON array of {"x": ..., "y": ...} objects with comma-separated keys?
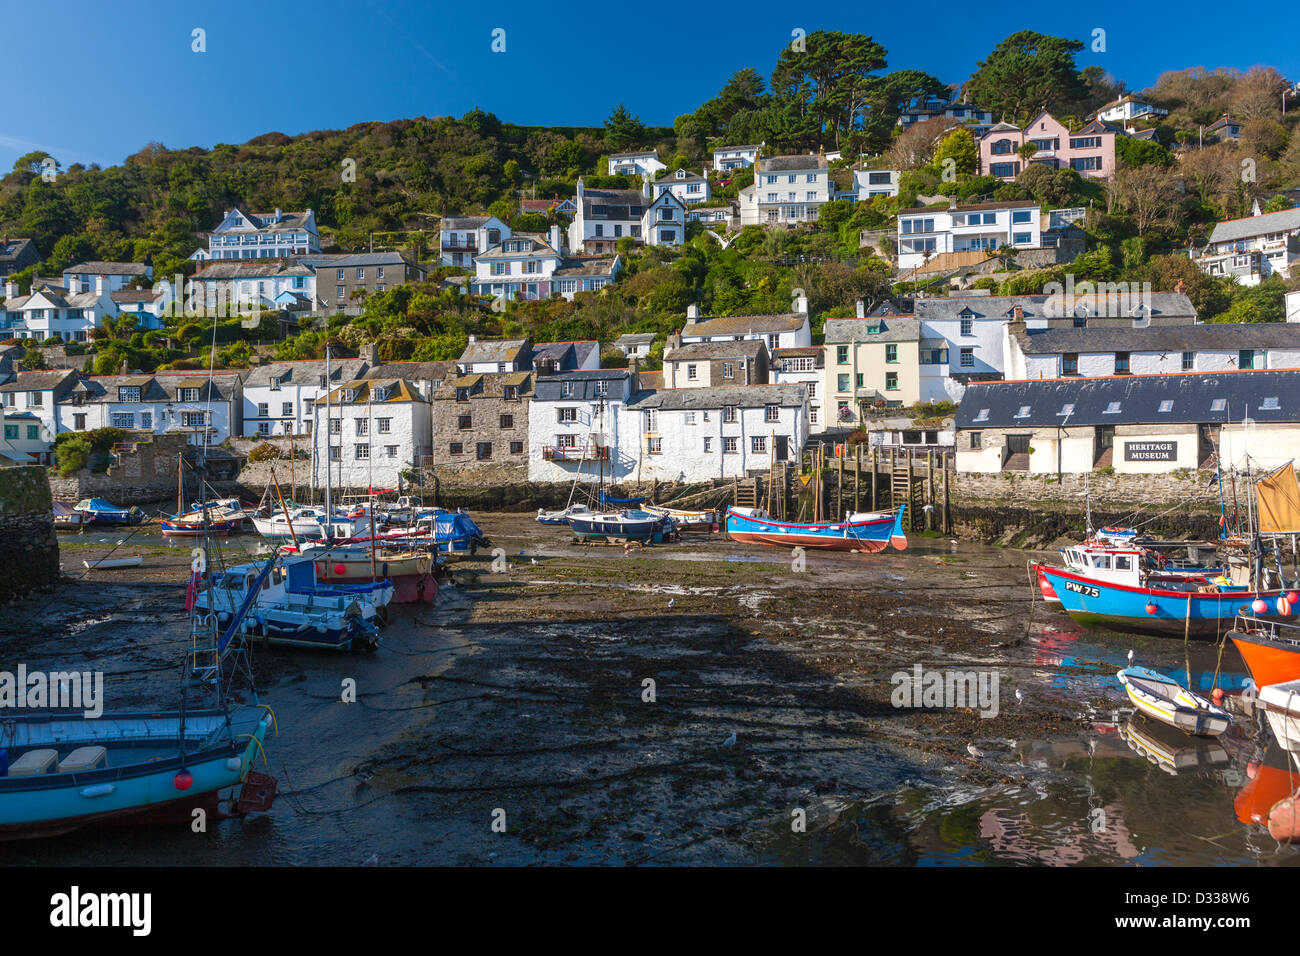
[{"x": 93, "y": 81}]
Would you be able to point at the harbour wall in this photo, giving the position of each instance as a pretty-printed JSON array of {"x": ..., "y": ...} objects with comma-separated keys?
[{"x": 29, "y": 550}]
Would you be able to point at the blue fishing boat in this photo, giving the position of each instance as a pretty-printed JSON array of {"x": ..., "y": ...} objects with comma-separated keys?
[
  {"x": 862, "y": 532},
  {"x": 451, "y": 532},
  {"x": 61, "y": 771},
  {"x": 630, "y": 525},
  {"x": 99, "y": 511}
]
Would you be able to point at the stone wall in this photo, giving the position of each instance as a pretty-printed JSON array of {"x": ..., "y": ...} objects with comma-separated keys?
[
  {"x": 485, "y": 413},
  {"x": 29, "y": 550},
  {"x": 1174, "y": 488},
  {"x": 142, "y": 476}
]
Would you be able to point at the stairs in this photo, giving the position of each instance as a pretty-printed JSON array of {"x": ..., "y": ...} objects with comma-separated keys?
[
  {"x": 901, "y": 490},
  {"x": 746, "y": 493},
  {"x": 1017, "y": 462}
]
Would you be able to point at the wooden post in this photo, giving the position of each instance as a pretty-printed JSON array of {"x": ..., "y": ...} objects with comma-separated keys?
[
  {"x": 874, "y": 481},
  {"x": 857, "y": 477},
  {"x": 909, "y": 492},
  {"x": 839, "y": 490},
  {"x": 947, "y": 515},
  {"x": 929, "y": 490}
]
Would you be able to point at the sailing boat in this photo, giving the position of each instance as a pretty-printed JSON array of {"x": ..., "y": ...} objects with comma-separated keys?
[
  {"x": 216, "y": 517},
  {"x": 64, "y": 770}
]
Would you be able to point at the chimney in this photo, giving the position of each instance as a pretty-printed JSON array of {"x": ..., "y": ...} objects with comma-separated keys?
[
  {"x": 580, "y": 190},
  {"x": 692, "y": 313},
  {"x": 557, "y": 239},
  {"x": 11, "y": 288},
  {"x": 952, "y": 203},
  {"x": 674, "y": 342},
  {"x": 278, "y": 217},
  {"x": 1180, "y": 285},
  {"x": 369, "y": 353},
  {"x": 99, "y": 285},
  {"x": 645, "y": 186},
  {"x": 634, "y": 385},
  {"x": 861, "y": 309},
  {"x": 1018, "y": 313},
  {"x": 801, "y": 304},
  {"x": 473, "y": 339},
  {"x": 123, "y": 369}
]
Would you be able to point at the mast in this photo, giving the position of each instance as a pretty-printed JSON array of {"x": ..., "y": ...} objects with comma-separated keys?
[
  {"x": 180, "y": 484},
  {"x": 329, "y": 512}
]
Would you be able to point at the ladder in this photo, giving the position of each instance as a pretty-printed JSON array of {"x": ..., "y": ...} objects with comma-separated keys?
[{"x": 746, "y": 493}]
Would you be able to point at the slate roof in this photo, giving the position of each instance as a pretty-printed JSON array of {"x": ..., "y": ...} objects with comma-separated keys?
[
  {"x": 589, "y": 267},
  {"x": 307, "y": 372},
  {"x": 493, "y": 350},
  {"x": 1193, "y": 396},
  {"x": 331, "y": 260},
  {"x": 13, "y": 249},
  {"x": 43, "y": 381},
  {"x": 749, "y": 396},
  {"x": 1172, "y": 338},
  {"x": 289, "y": 222},
  {"x": 251, "y": 269},
  {"x": 1288, "y": 220},
  {"x": 464, "y": 222},
  {"x": 1038, "y": 306},
  {"x": 160, "y": 386},
  {"x": 107, "y": 269},
  {"x": 399, "y": 391},
  {"x": 570, "y": 355},
  {"x": 620, "y": 204},
  {"x": 636, "y": 338},
  {"x": 640, "y": 152},
  {"x": 971, "y": 207},
  {"x": 741, "y": 324},
  {"x": 889, "y": 329},
  {"x": 414, "y": 371},
  {"x": 134, "y": 295},
  {"x": 486, "y": 385},
  {"x": 708, "y": 351},
  {"x": 803, "y": 161},
  {"x": 582, "y": 384}
]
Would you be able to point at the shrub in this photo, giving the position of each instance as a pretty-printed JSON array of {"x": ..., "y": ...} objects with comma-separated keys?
[
  {"x": 264, "y": 452},
  {"x": 71, "y": 455}
]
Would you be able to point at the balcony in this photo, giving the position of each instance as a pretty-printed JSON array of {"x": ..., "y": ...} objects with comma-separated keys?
[
  {"x": 575, "y": 453},
  {"x": 460, "y": 245}
]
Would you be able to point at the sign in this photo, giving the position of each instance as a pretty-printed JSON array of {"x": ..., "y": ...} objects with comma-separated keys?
[
  {"x": 1151, "y": 451},
  {"x": 805, "y": 479}
]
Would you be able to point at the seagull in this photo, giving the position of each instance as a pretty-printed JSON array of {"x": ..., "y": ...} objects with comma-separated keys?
[
  {"x": 671, "y": 602},
  {"x": 1130, "y": 657},
  {"x": 730, "y": 741},
  {"x": 974, "y": 751},
  {"x": 1020, "y": 696},
  {"x": 534, "y": 560}
]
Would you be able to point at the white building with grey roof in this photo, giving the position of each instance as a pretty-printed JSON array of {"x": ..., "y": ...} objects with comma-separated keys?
[
  {"x": 265, "y": 235},
  {"x": 575, "y": 426},
  {"x": 639, "y": 163},
  {"x": 1254, "y": 248},
  {"x": 461, "y": 238},
  {"x": 279, "y": 398},
  {"x": 786, "y": 190},
  {"x": 699, "y": 434}
]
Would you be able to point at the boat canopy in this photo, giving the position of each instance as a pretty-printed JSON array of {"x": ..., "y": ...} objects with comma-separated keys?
[
  {"x": 1279, "y": 501},
  {"x": 607, "y": 500}
]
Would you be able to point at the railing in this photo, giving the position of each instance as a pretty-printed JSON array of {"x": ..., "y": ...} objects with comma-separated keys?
[{"x": 575, "y": 452}]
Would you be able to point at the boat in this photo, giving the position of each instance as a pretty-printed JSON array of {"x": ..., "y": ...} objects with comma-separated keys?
[
  {"x": 630, "y": 525},
  {"x": 309, "y": 522},
  {"x": 450, "y": 532},
  {"x": 97, "y": 511},
  {"x": 285, "y": 604},
  {"x": 127, "y": 562},
  {"x": 1281, "y": 706},
  {"x": 863, "y": 532},
  {"x": 686, "y": 519},
  {"x": 67, "y": 518},
  {"x": 561, "y": 516},
  {"x": 1111, "y": 552},
  {"x": 194, "y": 523},
  {"x": 66, "y": 771},
  {"x": 1271, "y": 649},
  {"x": 1165, "y": 700},
  {"x": 412, "y": 571}
]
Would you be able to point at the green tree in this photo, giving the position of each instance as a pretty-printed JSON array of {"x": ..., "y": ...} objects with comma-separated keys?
[
  {"x": 1027, "y": 72},
  {"x": 623, "y": 131},
  {"x": 959, "y": 146}
]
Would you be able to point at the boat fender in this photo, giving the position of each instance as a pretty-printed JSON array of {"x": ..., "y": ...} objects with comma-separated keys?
[
  {"x": 233, "y": 763},
  {"x": 98, "y": 790}
]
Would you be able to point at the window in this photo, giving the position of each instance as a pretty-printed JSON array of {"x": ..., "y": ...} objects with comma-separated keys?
[
  {"x": 691, "y": 373},
  {"x": 146, "y": 419},
  {"x": 11, "y": 432},
  {"x": 1003, "y": 170},
  {"x": 456, "y": 448},
  {"x": 976, "y": 441},
  {"x": 336, "y": 453},
  {"x": 772, "y": 413},
  {"x": 967, "y": 327},
  {"x": 841, "y": 383},
  {"x": 336, "y": 426},
  {"x": 339, "y": 275},
  {"x": 262, "y": 410},
  {"x": 655, "y": 446},
  {"x": 340, "y": 293},
  {"x": 564, "y": 415},
  {"x": 510, "y": 393},
  {"x": 1024, "y": 412},
  {"x": 758, "y": 444},
  {"x": 842, "y": 354},
  {"x": 361, "y": 275},
  {"x": 1070, "y": 363},
  {"x": 1269, "y": 403},
  {"x": 708, "y": 445},
  {"x": 33, "y": 431},
  {"x": 194, "y": 419},
  {"x": 1167, "y": 405},
  {"x": 812, "y": 389},
  {"x": 729, "y": 415},
  {"x": 891, "y": 381},
  {"x": 728, "y": 370},
  {"x": 983, "y": 416},
  {"x": 1085, "y": 142},
  {"x": 362, "y": 451},
  {"x": 1112, "y": 409},
  {"x": 187, "y": 394},
  {"x": 79, "y": 422},
  {"x": 1021, "y": 239},
  {"x": 123, "y": 420},
  {"x": 483, "y": 450},
  {"x": 286, "y": 409},
  {"x": 264, "y": 428},
  {"x": 1082, "y": 163},
  {"x": 1020, "y": 216},
  {"x": 891, "y": 353},
  {"x": 967, "y": 359},
  {"x": 1219, "y": 404},
  {"x": 688, "y": 418},
  {"x": 390, "y": 451},
  {"x": 1189, "y": 361},
  {"x": 464, "y": 422},
  {"x": 507, "y": 421},
  {"x": 1121, "y": 363},
  {"x": 516, "y": 448},
  {"x": 128, "y": 393},
  {"x": 730, "y": 446},
  {"x": 1246, "y": 358},
  {"x": 363, "y": 426}
]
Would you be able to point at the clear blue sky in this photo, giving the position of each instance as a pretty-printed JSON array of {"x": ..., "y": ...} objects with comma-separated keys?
[{"x": 93, "y": 81}]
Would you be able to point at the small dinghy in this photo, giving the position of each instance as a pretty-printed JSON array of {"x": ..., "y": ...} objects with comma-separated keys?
[
  {"x": 1166, "y": 700},
  {"x": 562, "y": 516},
  {"x": 131, "y": 562}
]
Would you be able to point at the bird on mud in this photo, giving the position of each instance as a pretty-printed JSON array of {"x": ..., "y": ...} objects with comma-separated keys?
[
  {"x": 730, "y": 741},
  {"x": 1020, "y": 696},
  {"x": 974, "y": 751},
  {"x": 534, "y": 560},
  {"x": 672, "y": 602},
  {"x": 1130, "y": 657}
]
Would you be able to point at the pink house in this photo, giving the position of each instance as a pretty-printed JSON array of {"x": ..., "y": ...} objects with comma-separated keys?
[{"x": 1090, "y": 150}]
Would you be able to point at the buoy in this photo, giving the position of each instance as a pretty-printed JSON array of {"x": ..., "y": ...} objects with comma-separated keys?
[
  {"x": 1259, "y": 606},
  {"x": 1293, "y": 597},
  {"x": 1283, "y": 606},
  {"x": 1151, "y": 607},
  {"x": 1217, "y": 695},
  {"x": 183, "y": 780},
  {"x": 340, "y": 569}
]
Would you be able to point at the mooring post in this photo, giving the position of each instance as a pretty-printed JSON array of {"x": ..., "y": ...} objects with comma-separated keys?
[
  {"x": 839, "y": 483},
  {"x": 947, "y": 515},
  {"x": 857, "y": 477}
]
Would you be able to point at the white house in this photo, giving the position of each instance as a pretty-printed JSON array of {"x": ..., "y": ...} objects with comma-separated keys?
[
  {"x": 870, "y": 183},
  {"x": 786, "y": 189},
  {"x": 115, "y": 275},
  {"x": 585, "y": 275},
  {"x": 52, "y": 313},
  {"x": 727, "y": 158},
  {"x": 161, "y": 402},
  {"x": 926, "y": 232},
  {"x": 495, "y": 355},
  {"x": 374, "y": 430},
  {"x": 604, "y": 216},
  {"x": 275, "y": 235},
  {"x": 37, "y": 395},
  {"x": 223, "y": 284},
  {"x": 644, "y": 163},
  {"x": 146, "y": 305},
  {"x": 575, "y": 424},
  {"x": 26, "y": 439},
  {"x": 786, "y": 331},
  {"x": 1253, "y": 248},
  {"x": 1128, "y": 107},
  {"x": 1095, "y": 352},
  {"x": 519, "y": 267},
  {"x": 687, "y": 186},
  {"x": 280, "y": 397},
  {"x": 464, "y": 237},
  {"x": 698, "y": 434},
  {"x": 803, "y": 365},
  {"x": 637, "y": 345}
]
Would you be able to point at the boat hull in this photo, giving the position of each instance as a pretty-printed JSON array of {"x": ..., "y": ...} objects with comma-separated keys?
[
  {"x": 869, "y": 536},
  {"x": 600, "y": 527},
  {"x": 185, "y": 529},
  {"x": 1270, "y": 661},
  {"x": 1121, "y": 607}
]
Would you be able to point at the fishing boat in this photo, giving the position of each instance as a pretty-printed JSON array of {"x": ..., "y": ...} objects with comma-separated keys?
[
  {"x": 630, "y": 525},
  {"x": 450, "y": 532},
  {"x": 562, "y": 515},
  {"x": 410, "y": 570},
  {"x": 285, "y": 604},
  {"x": 1271, "y": 649},
  {"x": 1111, "y": 552},
  {"x": 193, "y": 523},
  {"x": 686, "y": 519},
  {"x": 1281, "y": 706},
  {"x": 125, "y": 562},
  {"x": 1165, "y": 700},
  {"x": 67, "y": 518},
  {"x": 308, "y": 522},
  {"x": 97, "y": 511},
  {"x": 863, "y": 532}
]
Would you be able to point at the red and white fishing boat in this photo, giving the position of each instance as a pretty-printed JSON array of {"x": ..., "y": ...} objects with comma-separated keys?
[{"x": 411, "y": 571}]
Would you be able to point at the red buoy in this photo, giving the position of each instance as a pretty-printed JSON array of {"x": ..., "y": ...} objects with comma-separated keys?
[
  {"x": 1259, "y": 606},
  {"x": 1283, "y": 606},
  {"x": 1293, "y": 597},
  {"x": 1151, "y": 608},
  {"x": 340, "y": 569},
  {"x": 183, "y": 780}
]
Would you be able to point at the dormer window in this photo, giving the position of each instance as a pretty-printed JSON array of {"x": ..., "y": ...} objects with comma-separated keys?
[
  {"x": 462, "y": 394},
  {"x": 983, "y": 416},
  {"x": 379, "y": 394},
  {"x": 1024, "y": 412},
  {"x": 349, "y": 394},
  {"x": 1219, "y": 404},
  {"x": 128, "y": 393}
]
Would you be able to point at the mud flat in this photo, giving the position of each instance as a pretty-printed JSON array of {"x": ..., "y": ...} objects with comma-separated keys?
[{"x": 516, "y": 721}]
